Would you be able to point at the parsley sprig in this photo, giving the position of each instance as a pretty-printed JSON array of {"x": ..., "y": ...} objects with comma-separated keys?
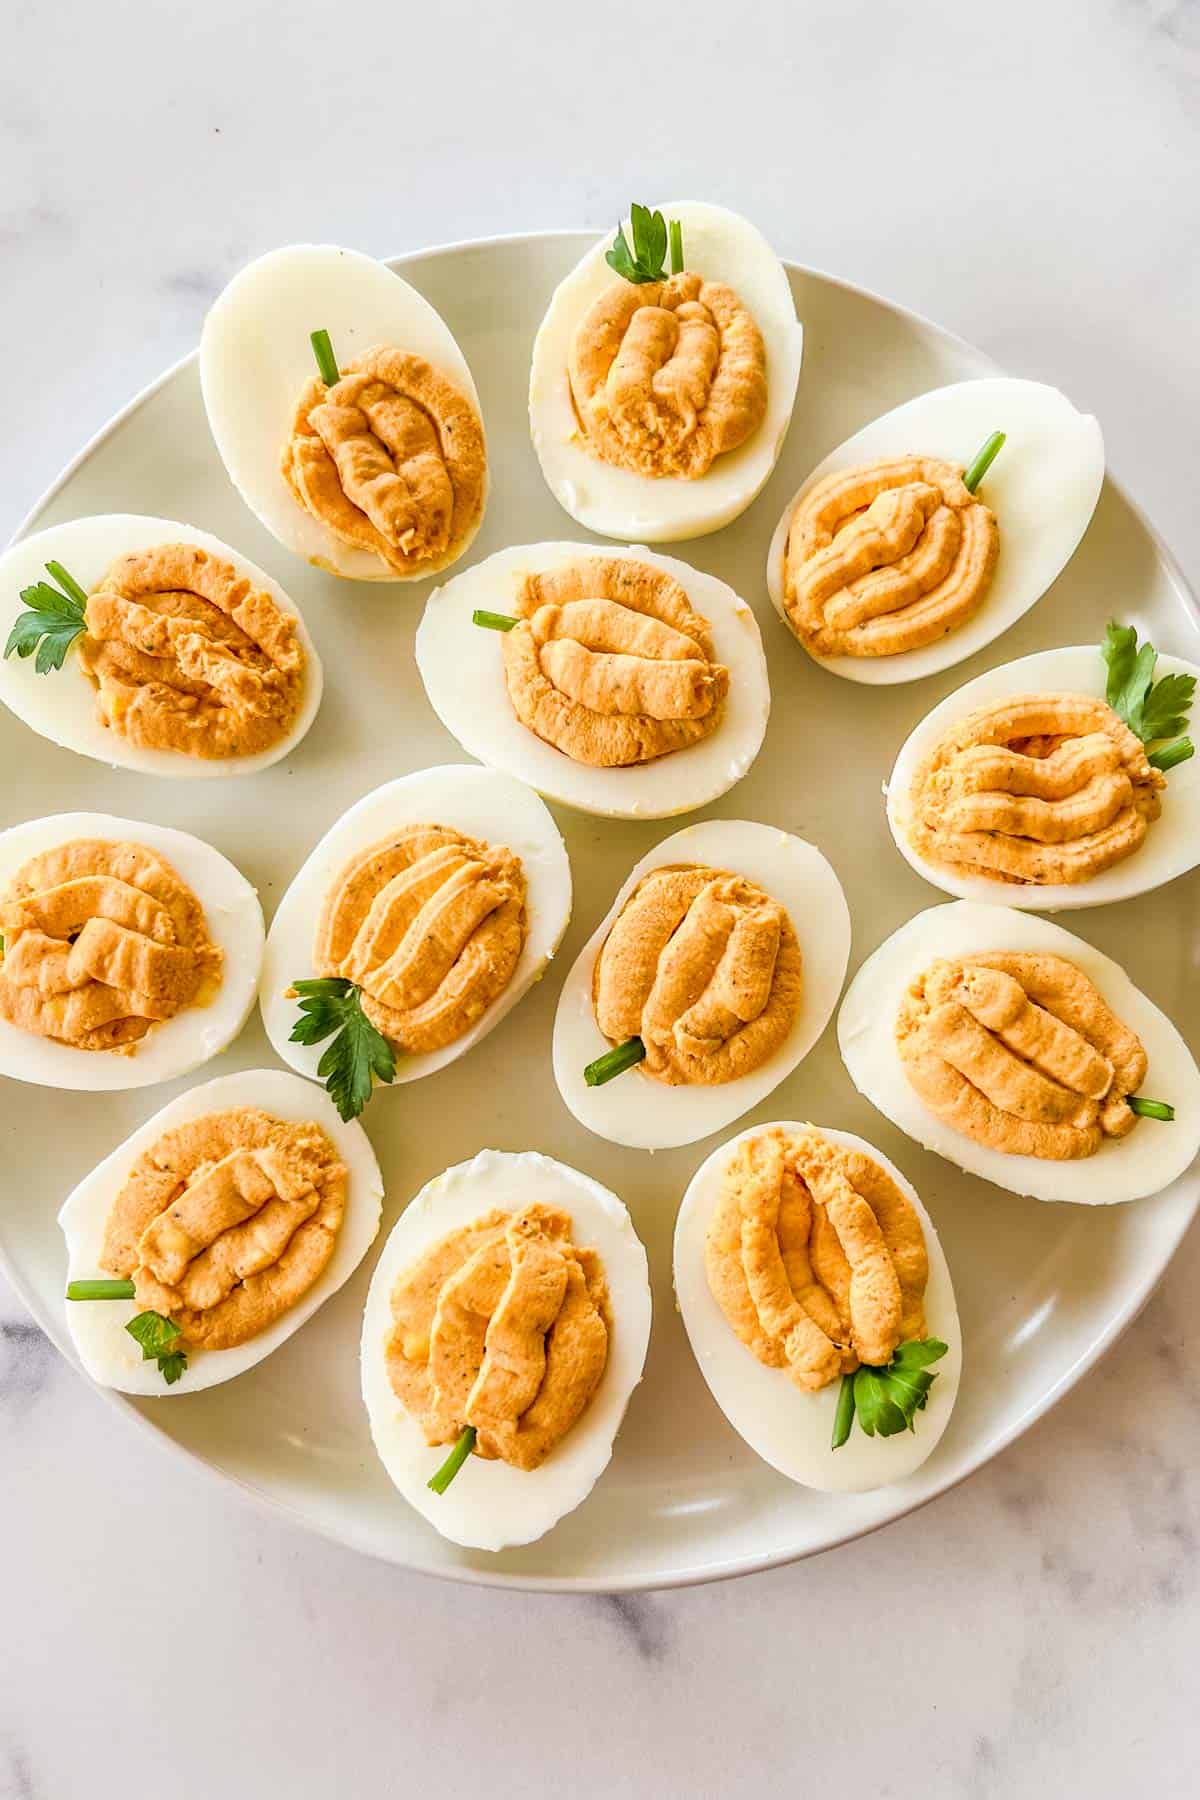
[
  {"x": 1155, "y": 710},
  {"x": 157, "y": 1335},
  {"x": 651, "y": 239},
  {"x": 55, "y": 618},
  {"x": 887, "y": 1399},
  {"x": 359, "y": 1053}
]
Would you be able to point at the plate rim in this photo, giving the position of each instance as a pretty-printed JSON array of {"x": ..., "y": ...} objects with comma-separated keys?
[{"x": 728, "y": 1568}]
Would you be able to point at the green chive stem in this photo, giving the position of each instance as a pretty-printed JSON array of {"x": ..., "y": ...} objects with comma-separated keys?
[
  {"x": 441, "y": 1480},
  {"x": 326, "y": 360},
  {"x": 67, "y": 583},
  {"x": 494, "y": 621},
  {"x": 99, "y": 1290},
  {"x": 843, "y": 1419},
  {"x": 614, "y": 1062},
  {"x": 675, "y": 233},
  {"x": 1171, "y": 755},
  {"x": 984, "y": 458},
  {"x": 1151, "y": 1109}
]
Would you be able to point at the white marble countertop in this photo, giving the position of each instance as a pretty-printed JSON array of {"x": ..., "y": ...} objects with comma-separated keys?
[{"x": 1028, "y": 177}]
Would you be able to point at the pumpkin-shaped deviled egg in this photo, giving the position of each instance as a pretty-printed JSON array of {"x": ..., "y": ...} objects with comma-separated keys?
[
  {"x": 1022, "y": 1054},
  {"x": 129, "y": 953},
  {"x": 213, "y": 1232},
  {"x": 345, "y": 413},
  {"x": 819, "y": 1305},
  {"x": 664, "y": 375},
  {"x": 417, "y": 923},
  {"x": 1062, "y": 780},
  {"x": 712, "y": 976},
  {"x": 935, "y": 528},
  {"x": 153, "y": 646},
  {"x": 505, "y": 1329},
  {"x": 620, "y": 682}
]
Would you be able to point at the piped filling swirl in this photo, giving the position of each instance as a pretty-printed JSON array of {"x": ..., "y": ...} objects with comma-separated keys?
[
  {"x": 225, "y": 1222},
  {"x": 667, "y": 376},
  {"x": 186, "y": 654},
  {"x": 503, "y": 1325},
  {"x": 611, "y": 664},
  {"x": 430, "y": 925},
  {"x": 1019, "y": 1051},
  {"x": 101, "y": 942},
  {"x": 703, "y": 966},
  {"x": 816, "y": 1257},
  {"x": 887, "y": 557},
  {"x": 1038, "y": 788},
  {"x": 391, "y": 459}
]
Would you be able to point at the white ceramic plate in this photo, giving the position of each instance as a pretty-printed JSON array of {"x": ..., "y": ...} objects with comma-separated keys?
[{"x": 1042, "y": 1289}]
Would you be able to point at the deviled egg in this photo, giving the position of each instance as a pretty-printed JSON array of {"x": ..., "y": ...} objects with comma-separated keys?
[
  {"x": 345, "y": 413},
  {"x": 1020, "y": 1053},
  {"x": 129, "y": 953},
  {"x": 213, "y": 1232},
  {"x": 935, "y": 527},
  {"x": 507, "y": 1324},
  {"x": 1051, "y": 782},
  {"x": 664, "y": 375},
  {"x": 415, "y": 925},
  {"x": 621, "y": 682},
  {"x": 818, "y": 1303},
  {"x": 153, "y": 646},
  {"x": 714, "y": 972}
]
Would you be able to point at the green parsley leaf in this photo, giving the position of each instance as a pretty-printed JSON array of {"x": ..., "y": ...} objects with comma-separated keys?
[
  {"x": 888, "y": 1399},
  {"x": 647, "y": 260},
  {"x": 158, "y": 1336},
  {"x": 172, "y": 1366},
  {"x": 1154, "y": 710},
  {"x": 332, "y": 1007},
  {"x": 153, "y": 1332},
  {"x": 53, "y": 622}
]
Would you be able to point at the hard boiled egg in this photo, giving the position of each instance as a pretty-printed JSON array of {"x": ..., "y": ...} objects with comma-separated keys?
[
  {"x": 1148, "y": 1159},
  {"x": 233, "y": 921},
  {"x": 1172, "y": 843},
  {"x": 480, "y": 803},
  {"x": 1042, "y": 488},
  {"x": 620, "y": 502},
  {"x": 791, "y": 1429},
  {"x": 256, "y": 360},
  {"x": 61, "y": 705},
  {"x": 490, "y": 1504},
  {"x": 646, "y": 1114},
  {"x": 462, "y": 666},
  {"x": 107, "y": 1351}
]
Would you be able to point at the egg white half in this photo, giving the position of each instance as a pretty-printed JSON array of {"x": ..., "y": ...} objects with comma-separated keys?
[
  {"x": 61, "y": 706},
  {"x": 195, "y": 1035},
  {"x": 786, "y": 1427},
  {"x": 490, "y": 1505},
  {"x": 462, "y": 666},
  {"x": 1043, "y": 488},
  {"x": 644, "y": 1114},
  {"x": 106, "y": 1350},
  {"x": 256, "y": 359},
  {"x": 482, "y": 803},
  {"x": 1127, "y": 1168},
  {"x": 720, "y": 246},
  {"x": 1172, "y": 843}
]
